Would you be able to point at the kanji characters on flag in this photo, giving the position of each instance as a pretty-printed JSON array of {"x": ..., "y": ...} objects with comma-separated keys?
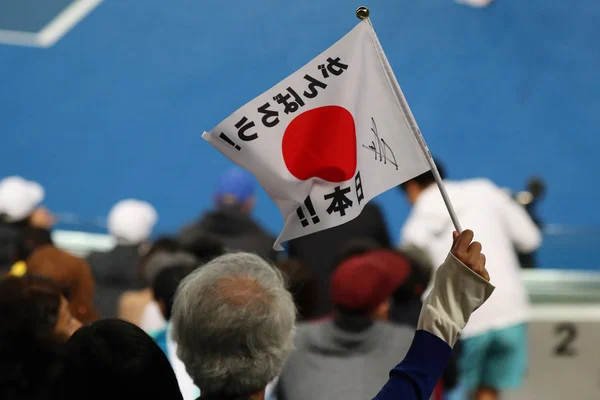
[{"x": 328, "y": 138}]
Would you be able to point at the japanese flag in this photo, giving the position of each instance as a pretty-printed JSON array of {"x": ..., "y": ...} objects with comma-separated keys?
[{"x": 328, "y": 138}]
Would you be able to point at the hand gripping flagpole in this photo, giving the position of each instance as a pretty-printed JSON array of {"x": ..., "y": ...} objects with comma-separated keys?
[{"x": 363, "y": 14}]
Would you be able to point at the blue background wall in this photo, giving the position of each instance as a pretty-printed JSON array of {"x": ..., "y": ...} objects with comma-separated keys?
[{"x": 116, "y": 108}]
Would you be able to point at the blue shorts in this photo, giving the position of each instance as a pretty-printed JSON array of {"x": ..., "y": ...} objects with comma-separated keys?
[{"x": 496, "y": 359}]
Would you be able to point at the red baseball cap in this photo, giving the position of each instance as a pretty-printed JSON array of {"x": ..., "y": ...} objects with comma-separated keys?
[{"x": 363, "y": 282}]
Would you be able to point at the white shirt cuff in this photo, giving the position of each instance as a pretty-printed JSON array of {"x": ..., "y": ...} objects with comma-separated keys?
[{"x": 457, "y": 292}]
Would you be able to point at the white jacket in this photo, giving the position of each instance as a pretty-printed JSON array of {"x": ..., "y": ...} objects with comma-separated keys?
[{"x": 499, "y": 223}]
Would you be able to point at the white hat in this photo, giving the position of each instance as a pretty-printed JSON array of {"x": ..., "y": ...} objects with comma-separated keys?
[
  {"x": 132, "y": 221},
  {"x": 19, "y": 198}
]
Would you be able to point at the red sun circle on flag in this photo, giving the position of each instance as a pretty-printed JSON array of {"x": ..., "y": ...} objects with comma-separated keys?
[{"x": 321, "y": 143}]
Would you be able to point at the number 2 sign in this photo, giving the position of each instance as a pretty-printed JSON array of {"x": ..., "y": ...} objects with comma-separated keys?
[{"x": 566, "y": 332}]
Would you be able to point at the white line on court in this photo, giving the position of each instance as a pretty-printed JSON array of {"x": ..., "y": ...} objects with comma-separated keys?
[{"x": 55, "y": 29}]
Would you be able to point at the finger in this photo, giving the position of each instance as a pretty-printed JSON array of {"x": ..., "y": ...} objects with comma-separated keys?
[
  {"x": 455, "y": 236},
  {"x": 462, "y": 243},
  {"x": 485, "y": 274},
  {"x": 482, "y": 261},
  {"x": 475, "y": 249},
  {"x": 480, "y": 268},
  {"x": 473, "y": 254}
]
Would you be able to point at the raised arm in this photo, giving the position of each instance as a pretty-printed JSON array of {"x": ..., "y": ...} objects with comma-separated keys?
[{"x": 461, "y": 286}]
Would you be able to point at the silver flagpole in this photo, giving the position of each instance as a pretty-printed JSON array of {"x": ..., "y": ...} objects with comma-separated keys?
[{"x": 363, "y": 14}]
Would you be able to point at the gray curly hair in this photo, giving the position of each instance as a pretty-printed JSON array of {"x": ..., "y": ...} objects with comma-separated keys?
[{"x": 233, "y": 321}]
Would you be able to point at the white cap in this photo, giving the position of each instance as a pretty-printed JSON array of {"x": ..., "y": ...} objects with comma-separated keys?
[
  {"x": 132, "y": 220},
  {"x": 19, "y": 198}
]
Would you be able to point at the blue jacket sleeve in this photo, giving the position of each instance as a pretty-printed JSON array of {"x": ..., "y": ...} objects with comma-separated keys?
[{"x": 416, "y": 376}]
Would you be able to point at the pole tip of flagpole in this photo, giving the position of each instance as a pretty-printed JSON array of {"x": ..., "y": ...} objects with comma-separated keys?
[{"x": 362, "y": 12}]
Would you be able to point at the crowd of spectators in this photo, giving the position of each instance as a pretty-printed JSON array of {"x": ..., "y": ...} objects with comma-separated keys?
[{"x": 212, "y": 312}]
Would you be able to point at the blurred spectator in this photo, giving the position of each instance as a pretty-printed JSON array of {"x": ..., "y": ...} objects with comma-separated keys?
[
  {"x": 72, "y": 274},
  {"x": 167, "y": 244},
  {"x": 130, "y": 223},
  {"x": 138, "y": 306},
  {"x": 20, "y": 202},
  {"x": 114, "y": 359},
  {"x": 349, "y": 356},
  {"x": 494, "y": 350},
  {"x": 35, "y": 320},
  {"x": 530, "y": 199},
  {"x": 231, "y": 222},
  {"x": 164, "y": 288},
  {"x": 318, "y": 250},
  {"x": 302, "y": 286},
  {"x": 200, "y": 251},
  {"x": 30, "y": 239},
  {"x": 204, "y": 248},
  {"x": 406, "y": 301}
]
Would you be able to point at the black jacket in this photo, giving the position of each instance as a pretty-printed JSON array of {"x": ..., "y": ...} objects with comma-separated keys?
[
  {"x": 235, "y": 229},
  {"x": 9, "y": 238},
  {"x": 114, "y": 272}
]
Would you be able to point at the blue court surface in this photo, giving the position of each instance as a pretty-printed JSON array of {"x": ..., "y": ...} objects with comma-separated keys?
[
  {"x": 40, "y": 22},
  {"x": 113, "y": 98}
]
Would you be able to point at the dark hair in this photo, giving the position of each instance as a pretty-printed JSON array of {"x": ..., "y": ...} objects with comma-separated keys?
[
  {"x": 29, "y": 309},
  {"x": 417, "y": 280},
  {"x": 303, "y": 287},
  {"x": 166, "y": 283},
  {"x": 114, "y": 358},
  {"x": 30, "y": 239},
  {"x": 205, "y": 248},
  {"x": 29, "y": 305},
  {"x": 355, "y": 247},
  {"x": 164, "y": 243},
  {"x": 426, "y": 178}
]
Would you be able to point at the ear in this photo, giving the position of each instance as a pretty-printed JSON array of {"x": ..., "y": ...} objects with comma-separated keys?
[{"x": 382, "y": 312}]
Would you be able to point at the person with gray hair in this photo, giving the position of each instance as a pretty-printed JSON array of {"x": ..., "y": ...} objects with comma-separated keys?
[{"x": 234, "y": 322}]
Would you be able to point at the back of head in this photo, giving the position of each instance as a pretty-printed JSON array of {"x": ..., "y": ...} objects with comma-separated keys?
[
  {"x": 162, "y": 260},
  {"x": 163, "y": 244},
  {"x": 204, "y": 248},
  {"x": 427, "y": 178},
  {"x": 29, "y": 306},
  {"x": 131, "y": 221},
  {"x": 115, "y": 359},
  {"x": 30, "y": 239},
  {"x": 165, "y": 286},
  {"x": 29, "y": 312},
  {"x": 233, "y": 320},
  {"x": 364, "y": 282},
  {"x": 302, "y": 286},
  {"x": 235, "y": 188}
]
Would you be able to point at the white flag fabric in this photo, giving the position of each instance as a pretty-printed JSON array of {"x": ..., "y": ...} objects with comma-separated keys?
[{"x": 328, "y": 138}]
